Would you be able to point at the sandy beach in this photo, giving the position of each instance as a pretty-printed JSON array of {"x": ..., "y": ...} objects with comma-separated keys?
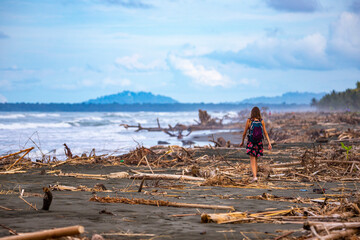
[{"x": 137, "y": 221}]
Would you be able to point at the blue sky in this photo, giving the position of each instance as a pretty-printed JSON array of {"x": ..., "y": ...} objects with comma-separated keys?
[{"x": 193, "y": 51}]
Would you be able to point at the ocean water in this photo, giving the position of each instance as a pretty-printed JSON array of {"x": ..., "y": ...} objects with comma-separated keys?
[{"x": 84, "y": 131}]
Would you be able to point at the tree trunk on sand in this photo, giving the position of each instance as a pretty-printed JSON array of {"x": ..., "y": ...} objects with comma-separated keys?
[
  {"x": 53, "y": 233},
  {"x": 223, "y": 217},
  {"x": 157, "y": 203},
  {"x": 165, "y": 177}
]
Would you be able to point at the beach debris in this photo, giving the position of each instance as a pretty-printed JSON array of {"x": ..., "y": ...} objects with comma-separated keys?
[
  {"x": 47, "y": 199},
  {"x": 25, "y": 151},
  {"x": 148, "y": 176},
  {"x": 205, "y": 122},
  {"x": 241, "y": 217},
  {"x": 104, "y": 211},
  {"x": 21, "y": 197},
  {"x": 6, "y": 208},
  {"x": 96, "y": 188},
  {"x": 308, "y": 153},
  {"x": 220, "y": 142},
  {"x": 67, "y": 151},
  {"x": 157, "y": 203},
  {"x": 99, "y": 187},
  {"x": 118, "y": 175},
  {"x": 95, "y": 176},
  {"x": 97, "y": 237},
  {"x": 11, "y": 231},
  {"x": 331, "y": 230},
  {"x": 141, "y": 184},
  {"x": 46, "y": 234},
  {"x": 271, "y": 197}
]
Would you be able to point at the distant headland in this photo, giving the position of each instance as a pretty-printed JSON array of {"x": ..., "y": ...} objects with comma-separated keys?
[{"x": 146, "y": 101}]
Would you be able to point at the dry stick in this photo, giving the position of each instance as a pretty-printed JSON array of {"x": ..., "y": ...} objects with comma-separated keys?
[
  {"x": 12, "y": 154},
  {"x": 33, "y": 207},
  {"x": 27, "y": 151},
  {"x": 5, "y": 208},
  {"x": 42, "y": 154},
  {"x": 223, "y": 158},
  {"x": 12, "y": 231},
  {"x": 166, "y": 177},
  {"x": 149, "y": 165},
  {"x": 52, "y": 233},
  {"x": 284, "y": 235},
  {"x": 140, "y": 161},
  {"x": 352, "y": 166},
  {"x": 157, "y": 203},
  {"x": 313, "y": 231},
  {"x": 141, "y": 184}
]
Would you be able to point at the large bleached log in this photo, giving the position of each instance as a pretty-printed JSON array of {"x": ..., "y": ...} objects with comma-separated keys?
[
  {"x": 157, "y": 203},
  {"x": 337, "y": 235},
  {"x": 320, "y": 226},
  {"x": 223, "y": 217},
  {"x": 52, "y": 233},
  {"x": 281, "y": 165},
  {"x": 166, "y": 177},
  {"x": 241, "y": 216}
]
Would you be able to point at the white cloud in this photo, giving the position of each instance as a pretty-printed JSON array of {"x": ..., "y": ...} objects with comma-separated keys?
[
  {"x": 116, "y": 82},
  {"x": 304, "y": 53},
  {"x": 249, "y": 82},
  {"x": 2, "y": 99},
  {"x": 345, "y": 36},
  {"x": 88, "y": 83},
  {"x": 133, "y": 63},
  {"x": 199, "y": 73}
]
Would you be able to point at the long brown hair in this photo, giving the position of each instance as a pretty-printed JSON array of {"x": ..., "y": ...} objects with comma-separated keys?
[{"x": 255, "y": 113}]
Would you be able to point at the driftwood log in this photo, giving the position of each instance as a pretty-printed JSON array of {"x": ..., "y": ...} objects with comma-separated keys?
[
  {"x": 336, "y": 235},
  {"x": 206, "y": 122},
  {"x": 320, "y": 226},
  {"x": 53, "y": 233},
  {"x": 148, "y": 176},
  {"x": 157, "y": 203},
  {"x": 26, "y": 152}
]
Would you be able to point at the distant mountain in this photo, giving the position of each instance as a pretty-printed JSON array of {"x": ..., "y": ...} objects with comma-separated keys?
[
  {"x": 127, "y": 97},
  {"x": 288, "y": 98}
]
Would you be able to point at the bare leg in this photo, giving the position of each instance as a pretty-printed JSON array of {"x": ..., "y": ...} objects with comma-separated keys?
[{"x": 253, "y": 164}]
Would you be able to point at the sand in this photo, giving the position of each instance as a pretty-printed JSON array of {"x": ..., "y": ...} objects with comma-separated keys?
[{"x": 74, "y": 208}]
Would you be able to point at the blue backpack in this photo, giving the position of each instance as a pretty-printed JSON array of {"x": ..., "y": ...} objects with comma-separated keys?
[{"x": 256, "y": 131}]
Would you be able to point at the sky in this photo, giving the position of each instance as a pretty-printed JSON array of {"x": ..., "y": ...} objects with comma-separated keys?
[{"x": 193, "y": 51}]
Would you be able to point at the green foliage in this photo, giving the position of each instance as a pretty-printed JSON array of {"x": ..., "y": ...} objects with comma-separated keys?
[
  {"x": 348, "y": 100},
  {"x": 347, "y": 149}
]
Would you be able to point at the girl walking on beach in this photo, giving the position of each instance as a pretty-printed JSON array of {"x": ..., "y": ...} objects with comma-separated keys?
[{"x": 254, "y": 147}]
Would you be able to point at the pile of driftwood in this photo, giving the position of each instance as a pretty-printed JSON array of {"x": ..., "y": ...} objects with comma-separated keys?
[
  {"x": 313, "y": 127},
  {"x": 205, "y": 122},
  {"x": 18, "y": 162},
  {"x": 323, "y": 221}
]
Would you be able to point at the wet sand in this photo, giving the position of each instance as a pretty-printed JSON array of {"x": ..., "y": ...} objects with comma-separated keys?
[{"x": 74, "y": 208}]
